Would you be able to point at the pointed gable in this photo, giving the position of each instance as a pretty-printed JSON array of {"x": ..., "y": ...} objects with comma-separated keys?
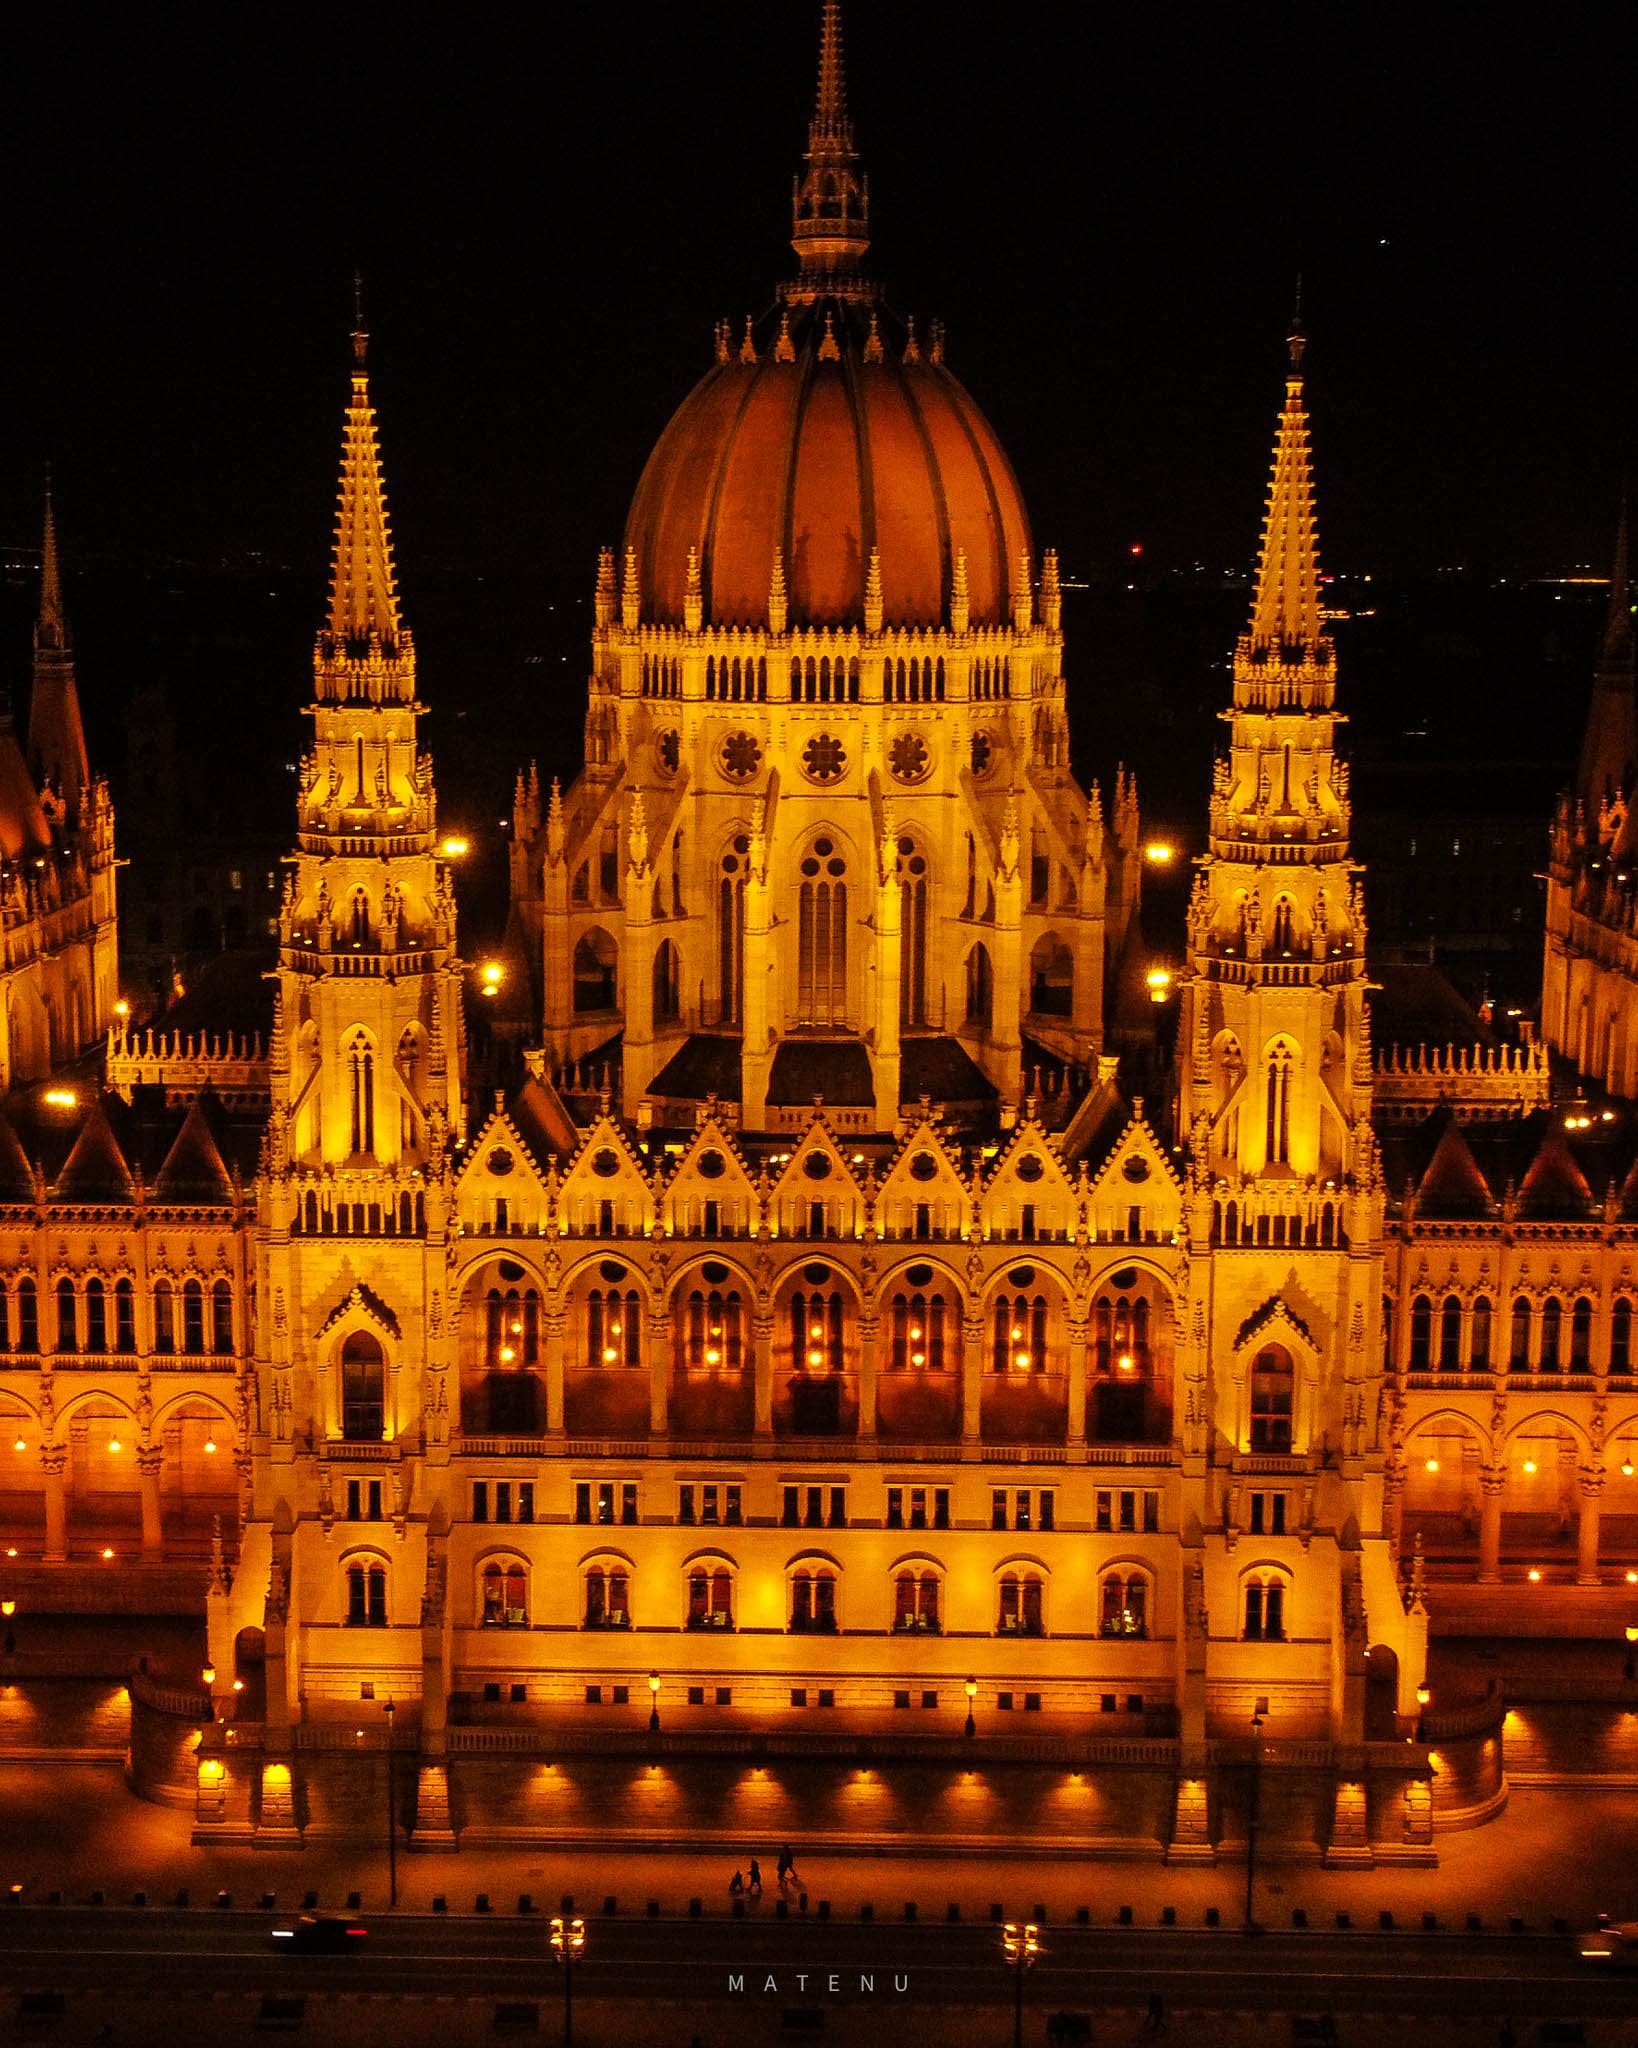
[
  {"x": 16, "y": 1174},
  {"x": 193, "y": 1171},
  {"x": 501, "y": 1166},
  {"x": 607, "y": 1168},
  {"x": 818, "y": 1171},
  {"x": 95, "y": 1169},
  {"x": 711, "y": 1169},
  {"x": 927, "y": 1171},
  {"x": 1554, "y": 1184},
  {"x": 1030, "y": 1171},
  {"x": 1452, "y": 1184},
  {"x": 1136, "y": 1172}
]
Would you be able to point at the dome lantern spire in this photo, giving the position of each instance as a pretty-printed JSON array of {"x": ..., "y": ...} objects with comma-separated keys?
[
  {"x": 363, "y": 586},
  {"x": 1286, "y": 609},
  {"x": 830, "y": 221}
]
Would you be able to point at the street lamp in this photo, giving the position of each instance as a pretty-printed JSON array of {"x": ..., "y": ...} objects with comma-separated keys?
[
  {"x": 1020, "y": 1944},
  {"x": 654, "y": 1703},
  {"x": 8, "y": 1608},
  {"x": 568, "y": 1940},
  {"x": 972, "y": 1694},
  {"x": 1256, "y": 1794},
  {"x": 1631, "y": 1633},
  {"x": 390, "y": 1709},
  {"x": 1423, "y": 1695}
]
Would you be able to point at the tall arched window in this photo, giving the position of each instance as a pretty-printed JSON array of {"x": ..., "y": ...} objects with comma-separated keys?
[
  {"x": 918, "y": 1332},
  {"x": 1020, "y": 1610},
  {"x": 361, "y": 1074},
  {"x": 1552, "y": 1325},
  {"x": 96, "y": 1316},
  {"x": 1621, "y": 1337},
  {"x": 360, "y": 918},
  {"x": 614, "y": 1330},
  {"x": 1581, "y": 1336},
  {"x": 28, "y": 1316},
  {"x": 366, "y": 1595},
  {"x": 731, "y": 931},
  {"x": 813, "y": 1601},
  {"x": 607, "y": 1601},
  {"x": 1278, "y": 1135},
  {"x": 667, "y": 977},
  {"x": 912, "y": 878},
  {"x": 980, "y": 988},
  {"x": 1265, "y": 1610},
  {"x": 1478, "y": 1351},
  {"x": 1051, "y": 977},
  {"x": 505, "y": 1594},
  {"x": 68, "y": 1320},
  {"x": 821, "y": 953},
  {"x": 1282, "y": 933},
  {"x": 164, "y": 1317},
  {"x": 817, "y": 1332},
  {"x": 710, "y": 1597},
  {"x": 1518, "y": 1354},
  {"x": 124, "y": 1317},
  {"x": 916, "y": 1602},
  {"x": 1019, "y": 1333},
  {"x": 715, "y": 1329},
  {"x": 1272, "y": 1388},
  {"x": 511, "y": 1328},
  {"x": 595, "y": 971},
  {"x": 193, "y": 1318},
  {"x": 1450, "y": 1334},
  {"x": 1421, "y": 1333},
  {"x": 363, "y": 1388},
  {"x": 1121, "y": 1331},
  {"x": 221, "y": 1317},
  {"x": 1123, "y": 1608}
]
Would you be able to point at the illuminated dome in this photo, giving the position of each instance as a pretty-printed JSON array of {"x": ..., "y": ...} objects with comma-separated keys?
[
  {"x": 826, "y": 432},
  {"x": 828, "y": 445}
]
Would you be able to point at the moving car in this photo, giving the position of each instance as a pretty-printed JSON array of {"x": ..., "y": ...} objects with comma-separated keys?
[
  {"x": 1614, "y": 1944},
  {"x": 321, "y": 1934}
]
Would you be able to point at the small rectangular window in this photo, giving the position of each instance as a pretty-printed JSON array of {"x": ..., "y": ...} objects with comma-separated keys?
[
  {"x": 790, "y": 1513},
  {"x": 1105, "y": 1514},
  {"x": 1151, "y": 1513},
  {"x": 622, "y": 1695},
  {"x": 594, "y": 1695},
  {"x": 367, "y": 1690},
  {"x": 827, "y": 1696},
  {"x": 733, "y": 1512},
  {"x": 628, "y": 1504},
  {"x": 1048, "y": 1511},
  {"x": 1257, "y": 1503},
  {"x": 1128, "y": 1511},
  {"x": 918, "y": 1507},
  {"x": 526, "y": 1500},
  {"x": 708, "y": 1506},
  {"x": 520, "y": 1694},
  {"x": 1134, "y": 1703},
  {"x": 929, "y": 1699},
  {"x": 725, "y": 1695},
  {"x": 998, "y": 1508},
  {"x": 1276, "y": 1502},
  {"x": 355, "y": 1502},
  {"x": 1108, "y": 1703},
  {"x": 503, "y": 1500},
  {"x": 685, "y": 1505},
  {"x": 582, "y": 1501},
  {"x": 1021, "y": 1511},
  {"x": 901, "y": 1699},
  {"x": 816, "y": 1507},
  {"x": 799, "y": 1695},
  {"x": 372, "y": 1500},
  {"x": 895, "y": 1507},
  {"x": 1004, "y": 1701},
  {"x": 480, "y": 1500},
  {"x": 696, "y": 1695},
  {"x": 838, "y": 1507},
  {"x": 1032, "y": 1703},
  {"x": 491, "y": 1693},
  {"x": 941, "y": 1507},
  {"x": 605, "y": 1503}
]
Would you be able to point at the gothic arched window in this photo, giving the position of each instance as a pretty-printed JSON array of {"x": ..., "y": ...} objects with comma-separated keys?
[
  {"x": 614, "y": 1331},
  {"x": 714, "y": 1330},
  {"x": 363, "y": 1388},
  {"x": 980, "y": 988},
  {"x": 918, "y": 1332},
  {"x": 1019, "y": 1341},
  {"x": 817, "y": 1332},
  {"x": 1273, "y": 1383},
  {"x": 1450, "y": 1334},
  {"x": 96, "y": 1316},
  {"x": 193, "y": 1318},
  {"x": 667, "y": 975},
  {"x": 912, "y": 877},
  {"x": 731, "y": 931},
  {"x": 361, "y": 1076},
  {"x": 1278, "y": 1136},
  {"x": 821, "y": 977}
]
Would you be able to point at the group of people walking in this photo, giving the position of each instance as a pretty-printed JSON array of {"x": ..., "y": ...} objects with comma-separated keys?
[{"x": 739, "y": 1886}]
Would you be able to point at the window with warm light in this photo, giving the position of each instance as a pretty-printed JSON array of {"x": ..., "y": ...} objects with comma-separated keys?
[
  {"x": 916, "y": 1601},
  {"x": 813, "y": 1600},
  {"x": 607, "y": 1603},
  {"x": 917, "y": 1323},
  {"x": 710, "y": 1597},
  {"x": 1021, "y": 1612},
  {"x": 505, "y": 1594},
  {"x": 714, "y": 1330},
  {"x": 1123, "y": 1604},
  {"x": 613, "y": 1327}
]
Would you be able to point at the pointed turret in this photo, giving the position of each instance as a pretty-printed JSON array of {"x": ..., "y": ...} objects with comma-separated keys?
[
  {"x": 363, "y": 586},
  {"x": 1286, "y": 609},
  {"x": 830, "y": 225},
  {"x": 56, "y": 736},
  {"x": 1609, "y": 748}
]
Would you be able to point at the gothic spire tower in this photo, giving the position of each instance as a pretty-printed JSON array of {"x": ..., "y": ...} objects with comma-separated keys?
[
  {"x": 56, "y": 737},
  {"x": 369, "y": 1033},
  {"x": 1274, "y": 1074}
]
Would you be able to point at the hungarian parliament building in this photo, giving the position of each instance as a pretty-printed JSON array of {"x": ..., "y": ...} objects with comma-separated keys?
[{"x": 821, "y": 1348}]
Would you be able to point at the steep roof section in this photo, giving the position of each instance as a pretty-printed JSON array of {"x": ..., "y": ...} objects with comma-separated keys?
[
  {"x": 193, "y": 1171},
  {"x": 1286, "y": 609},
  {"x": 23, "y": 827},
  {"x": 16, "y": 1174},
  {"x": 1609, "y": 747},
  {"x": 1555, "y": 1184},
  {"x": 363, "y": 585},
  {"x": 56, "y": 733},
  {"x": 1452, "y": 1184},
  {"x": 96, "y": 1170}
]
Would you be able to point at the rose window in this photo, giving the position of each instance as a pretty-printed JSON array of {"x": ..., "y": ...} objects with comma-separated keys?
[
  {"x": 983, "y": 753},
  {"x": 908, "y": 757},
  {"x": 824, "y": 757},
  {"x": 668, "y": 748},
  {"x": 740, "y": 756}
]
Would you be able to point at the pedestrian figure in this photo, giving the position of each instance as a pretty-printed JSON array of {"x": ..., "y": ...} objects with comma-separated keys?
[
  {"x": 1156, "y": 2022},
  {"x": 787, "y": 1867},
  {"x": 736, "y": 1884},
  {"x": 756, "y": 1879}
]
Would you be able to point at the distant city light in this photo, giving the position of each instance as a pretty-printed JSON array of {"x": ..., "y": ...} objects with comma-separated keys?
[
  {"x": 452, "y": 849},
  {"x": 62, "y": 1098},
  {"x": 1159, "y": 853}
]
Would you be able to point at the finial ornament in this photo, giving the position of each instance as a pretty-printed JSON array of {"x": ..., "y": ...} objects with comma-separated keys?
[
  {"x": 693, "y": 602},
  {"x": 604, "y": 602},
  {"x": 873, "y": 342},
  {"x": 912, "y": 348},
  {"x": 784, "y": 347},
  {"x": 1052, "y": 599},
  {"x": 830, "y": 223},
  {"x": 1286, "y": 610},
  {"x": 828, "y": 351},
  {"x": 722, "y": 343},
  {"x": 51, "y": 629},
  {"x": 960, "y": 601},
  {"x": 361, "y": 334},
  {"x": 747, "y": 348},
  {"x": 936, "y": 353},
  {"x": 1022, "y": 602},
  {"x": 363, "y": 584},
  {"x": 630, "y": 593},
  {"x": 778, "y": 597},
  {"x": 873, "y": 593}
]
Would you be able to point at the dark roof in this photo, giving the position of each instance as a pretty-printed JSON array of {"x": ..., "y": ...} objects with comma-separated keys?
[
  {"x": 229, "y": 992},
  {"x": 193, "y": 1171},
  {"x": 1554, "y": 1184},
  {"x": 702, "y": 1065},
  {"x": 1418, "y": 1006},
  {"x": 837, "y": 1069},
  {"x": 96, "y": 1170},
  {"x": 943, "y": 1070},
  {"x": 1452, "y": 1184},
  {"x": 16, "y": 1174}
]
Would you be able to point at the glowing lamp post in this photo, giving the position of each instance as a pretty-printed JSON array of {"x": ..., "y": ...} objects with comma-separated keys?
[
  {"x": 1631, "y": 1635},
  {"x": 390, "y": 1709},
  {"x": 654, "y": 1703},
  {"x": 8, "y": 1608},
  {"x": 1020, "y": 1944},
  {"x": 972, "y": 1694},
  {"x": 568, "y": 1942},
  {"x": 1256, "y": 1795}
]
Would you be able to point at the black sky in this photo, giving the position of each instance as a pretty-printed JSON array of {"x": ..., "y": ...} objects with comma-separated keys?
[{"x": 551, "y": 206}]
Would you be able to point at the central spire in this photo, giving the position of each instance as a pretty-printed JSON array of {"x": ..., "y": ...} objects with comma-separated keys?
[
  {"x": 1286, "y": 610},
  {"x": 830, "y": 223},
  {"x": 363, "y": 586}
]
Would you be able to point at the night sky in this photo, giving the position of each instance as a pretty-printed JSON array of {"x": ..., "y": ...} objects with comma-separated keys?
[{"x": 1108, "y": 206}]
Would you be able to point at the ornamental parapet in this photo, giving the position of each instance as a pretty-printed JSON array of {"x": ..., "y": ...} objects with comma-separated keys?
[{"x": 1476, "y": 1081}]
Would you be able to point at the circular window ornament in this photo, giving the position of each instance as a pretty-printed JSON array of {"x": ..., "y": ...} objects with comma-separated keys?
[
  {"x": 739, "y": 756},
  {"x": 1030, "y": 1167},
  {"x": 908, "y": 756},
  {"x": 824, "y": 758},
  {"x": 499, "y": 1162},
  {"x": 817, "y": 1166},
  {"x": 923, "y": 1166},
  {"x": 1135, "y": 1167},
  {"x": 714, "y": 1271},
  {"x": 1021, "y": 1276},
  {"x": 983, "y": 753},
  {"x": 605, "y": 1163},
  {"x": 712, "y": 1165},
  {"x": 919, "y": 1276},
  {"x": 816, "y": 1274},
  {"x": 510, "y": 1270},
  {"x": 611, "y": 1269},
  {"x": 668, "y": 750}
]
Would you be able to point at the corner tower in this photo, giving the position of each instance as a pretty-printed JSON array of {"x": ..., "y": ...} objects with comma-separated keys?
[
  {"x": 826, "y": 840},
  {"x": 1274, "y": 1068}
]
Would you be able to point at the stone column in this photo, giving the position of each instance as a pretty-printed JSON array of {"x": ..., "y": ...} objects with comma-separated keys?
[
  {"x": 869, "y": 1327},
  {"x": 659, "y": 1375},
  {"x": 553, "y": 1320},
  {"x": 972, "y": 1380},
  {"x": 52, "y": 1462},
  {"x": 1493, "y": 1480},
  {"x": 150, "y": 1463},
  {"x": 1586, "y": 1529},
  {"x": 1393, "y": 1499},
  {"x": 762, "y": 1333},
  {"x": 1077, "y": 1380},
  {"x": 1350, "y": 1839}
]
